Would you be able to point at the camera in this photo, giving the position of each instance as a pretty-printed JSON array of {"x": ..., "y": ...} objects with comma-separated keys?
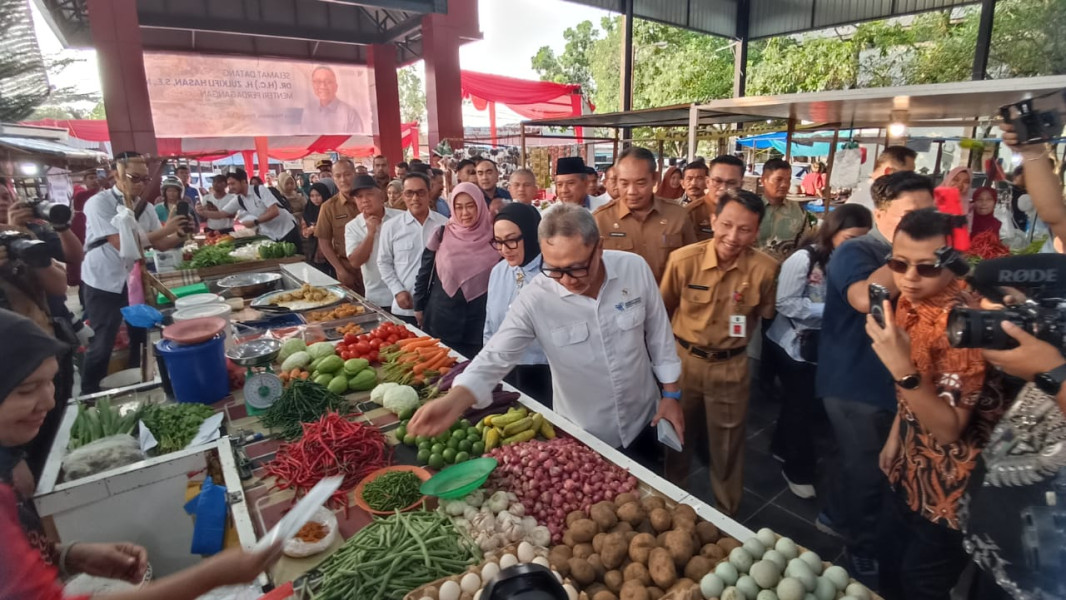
[
  {"x": 53, "y": 212},
  {"x": 1036, "y": 120},
  {"x": 21, "y": 247},
  {"x": 1041, "y": 277}
]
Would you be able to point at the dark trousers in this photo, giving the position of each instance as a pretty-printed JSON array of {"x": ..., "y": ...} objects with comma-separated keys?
[
  {"x": 105, "y": 308},
  {"x": 800, "y": 413},
  {"x": 646, "y": 450},
  {"x": 857, "y": 498},
  {"x": 534, "y": 381},
  {"x": 920, "y": 560}
]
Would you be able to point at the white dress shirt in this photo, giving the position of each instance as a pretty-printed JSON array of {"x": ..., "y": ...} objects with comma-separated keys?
[
  {"x": 210, "y": 201},
  {"x": 605, "y": 353},
  {"x": 103, "y": 268},
  {"x": 399, "y": 249},
  {"x": 255, "y": 206},
  {"x": 354, "y": 234}
]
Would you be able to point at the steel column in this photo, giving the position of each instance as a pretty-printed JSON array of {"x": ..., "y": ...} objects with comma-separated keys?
[
  {"x": 984, "y": 39},
  {"x": 740, "y": 52},
  {"x": 627, "y": 64}
]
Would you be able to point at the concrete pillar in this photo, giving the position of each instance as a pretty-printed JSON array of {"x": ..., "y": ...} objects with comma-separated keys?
[
  {"x": 441, "y": 36},
  {"x": 385, "y": 98},
  {"x": 117, "y": 37}
]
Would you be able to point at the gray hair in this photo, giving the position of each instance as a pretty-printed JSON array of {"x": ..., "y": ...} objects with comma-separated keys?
[
  {"x": 347, "y": 161},
  {"x": 524, "y": 172},
  {"x": 569, "y": 220}
]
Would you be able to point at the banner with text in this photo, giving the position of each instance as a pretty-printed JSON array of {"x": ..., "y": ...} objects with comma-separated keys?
[{"x": 217, "y": 96}]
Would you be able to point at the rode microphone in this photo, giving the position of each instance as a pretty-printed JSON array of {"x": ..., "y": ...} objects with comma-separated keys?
[{"x": 1045, "y": 272}]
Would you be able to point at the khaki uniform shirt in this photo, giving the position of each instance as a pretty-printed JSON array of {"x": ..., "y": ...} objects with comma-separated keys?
[
  {"x": 332, "y": 218},
  {"x": 782, "y": 228},
  {"x": 699, "y": 212},
  {"x": 666, "y": 228},
  {"x": 701, "y": 298}
]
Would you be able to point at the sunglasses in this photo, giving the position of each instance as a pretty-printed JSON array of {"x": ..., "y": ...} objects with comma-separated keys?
[
  {"x": 926, "y": 270},
  {"x": 137, "y": 178},
  {"x": 510, "y": 244}
]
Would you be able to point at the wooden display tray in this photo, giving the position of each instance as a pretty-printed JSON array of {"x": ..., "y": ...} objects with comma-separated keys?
[{"x": 247, "y": 265}]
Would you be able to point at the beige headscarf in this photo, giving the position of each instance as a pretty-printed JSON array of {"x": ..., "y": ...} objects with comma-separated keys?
[{"x": 296, "y": 198}]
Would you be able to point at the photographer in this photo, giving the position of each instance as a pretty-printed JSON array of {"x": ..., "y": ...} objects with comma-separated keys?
[
  {"x": 1013, "y": 508},
  {"x": 107, "y": 266},
  {"x": 1041, "y": 183}
]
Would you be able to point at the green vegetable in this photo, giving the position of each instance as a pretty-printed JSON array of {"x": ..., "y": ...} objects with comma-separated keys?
[
  {"x": 321, "y": 350},
  {"x": 363, "y": 381},
  {"x": 298, "y": 360},
  {"x": 324, "y": 379},
  {"x": 338, "y": 385},
  {"x": 354, "y": 365},
  {"x": 291, "y": 347},
  {"x": 331, "y": 364},
  {"x": 210, "y": 256},
  {"x": 277, "y": 250},
  {"x": 393, "y": 490},
  {"x": 302, "y": 402},
  {"x": 315, "y": 363},
  {"x": 175, "y": 425},
  {"x": 100, "y": 421},
  {"x": 390, "y": 557},
  {"x": 401, "y": 397}
]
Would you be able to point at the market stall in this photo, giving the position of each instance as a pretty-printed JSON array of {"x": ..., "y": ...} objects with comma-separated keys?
[{"x": 313, "y": 392}]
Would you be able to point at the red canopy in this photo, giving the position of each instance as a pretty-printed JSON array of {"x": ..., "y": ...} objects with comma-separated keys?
[{"x": 531, "y": 99}]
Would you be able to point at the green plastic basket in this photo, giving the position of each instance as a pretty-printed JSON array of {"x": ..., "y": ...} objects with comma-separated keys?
[{"x": 459, "y": 480}]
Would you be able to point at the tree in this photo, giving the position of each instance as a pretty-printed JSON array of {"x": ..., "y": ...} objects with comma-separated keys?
[
  {"x": 573, "y": 65},
  {"x": 23, "y": 84},
  {"x": 412, "y": 95}
]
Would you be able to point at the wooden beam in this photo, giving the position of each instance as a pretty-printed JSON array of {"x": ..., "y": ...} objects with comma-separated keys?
[{"x": 827, "y": 189}]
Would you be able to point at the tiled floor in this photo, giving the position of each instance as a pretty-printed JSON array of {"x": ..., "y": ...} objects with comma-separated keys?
[{"x": 767, "y": 501}]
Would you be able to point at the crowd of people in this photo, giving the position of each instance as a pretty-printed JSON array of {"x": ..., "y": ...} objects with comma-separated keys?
[{"x": 632, "y": 306}]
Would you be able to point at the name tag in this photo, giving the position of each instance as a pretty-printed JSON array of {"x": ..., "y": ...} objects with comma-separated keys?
[
  {"x": 738, "y": 326},
  {"x": 706, "y": 230},
  {"x": 692, "y": 286},
  {"x": 344, "y": 216},
  {"x": 623, "y": 306},
  {"x": 617, "y": 234}
]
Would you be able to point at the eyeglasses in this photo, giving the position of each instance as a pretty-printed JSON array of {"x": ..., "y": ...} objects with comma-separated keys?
[
  {"x": 137, "y": 178},
  {"x": 415, "y": 193},
  {"x": 574, "y": 272},
  {"x": 926, "y": 270},
  {"x": 510, "y": 244}
]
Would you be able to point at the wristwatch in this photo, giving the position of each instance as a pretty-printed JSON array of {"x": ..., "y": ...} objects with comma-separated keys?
[
  {"x": 910, "y": 382},
  {"x": 674, "y": 395},
  {"x": 1051, "y": 382},
  {"x": 256, "y": 222}
]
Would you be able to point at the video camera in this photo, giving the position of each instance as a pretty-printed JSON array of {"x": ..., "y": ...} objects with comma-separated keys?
[
  {"x": 53, "y": 212},
  {"x": 1036, "y": 120},
  {"x": 20, "y": 246},
  {"x": 1041, "y": 277}
]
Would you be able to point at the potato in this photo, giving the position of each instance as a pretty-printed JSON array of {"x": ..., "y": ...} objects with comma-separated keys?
[
  {"x": 727, "y": 544},
  {"x": 583, "y": 551},
  {"x": 682, "y": 584},
  {"x": 684, "y": 512},
  {"x": 565, "y": 552},
  {"x": 594, "y": 589},
  {"x": 568, "y": 539},
  {"x": 680, "y": 545},
  {"x": 583, "y": 530},
  {"x": 707, "y": 532},
  {"x": 697, "y": 567},
  {"x": 621, "y": 527},
  {"x": 634, "y": 590},
  {"x": 632, "y": 513},
  {"x": 645, "y": 527},
  {"x": 614, "y": 551},
  {"x": 613, "y": 580},
  {"x": 660, "y": 519},
  {"x": 662, "y": 568},
  {"x": 713, "y": 552},
  {"x": 559, "y": 559},
  {"x": 574, "y": 515},
  {"x": 641, "y": 547},
  {"x": 650, "y": 503},
  {"x": 626, "y": 498},
  {"x": 635, "y": 571},
  {"x": 581, "y": 571},
  {"x": 660, "y": 540},
  {"x": 605, "y": 595},
  {"x": 597, "y": 542},
  {"x": 655, "y": 593},
  {"x": 629, "y": 536},
  {"x": 596, "y": 561},
  {"x": 603, "y": 514}
]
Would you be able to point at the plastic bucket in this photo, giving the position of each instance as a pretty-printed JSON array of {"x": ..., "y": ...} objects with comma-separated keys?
[{"x": 198, "y": 371}]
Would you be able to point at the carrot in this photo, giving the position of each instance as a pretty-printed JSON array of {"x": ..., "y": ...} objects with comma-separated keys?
[
  {"x": 437, "y": 361},
  {"x": 293, "y": 374},
  {"x": 444, "y": 370},
  {"x": 413, "y": 343},
  {"x": 406, "y": 358},
  {"x": 304, "y": 375},
  {"x": 431, "y": 352}
]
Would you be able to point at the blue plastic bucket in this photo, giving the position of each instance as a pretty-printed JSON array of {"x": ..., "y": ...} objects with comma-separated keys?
[{"x": 197, "y": 371}]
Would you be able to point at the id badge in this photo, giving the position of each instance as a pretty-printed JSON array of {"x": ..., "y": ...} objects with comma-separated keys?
[{"x": 738, "y": 326}]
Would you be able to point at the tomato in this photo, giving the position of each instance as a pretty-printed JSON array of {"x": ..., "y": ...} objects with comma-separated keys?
[
  {"x": 373, "y": 356},
  {"x": 362, "y": 347},
  {"x": 375, "y": 344},
  {"x": 349, "y": 338},
  {"x": 393, "y": 339},
  {"x": 345, "y": 355}
]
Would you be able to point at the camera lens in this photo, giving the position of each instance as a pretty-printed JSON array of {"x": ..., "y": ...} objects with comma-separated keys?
[
  {"x": 52, "y": 212},
  {"x": 34, "y": 253},
  {"x": 969, "y": 328}
]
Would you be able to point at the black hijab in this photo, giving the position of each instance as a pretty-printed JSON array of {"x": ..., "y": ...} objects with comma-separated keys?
[
  {"x": 28, "y": 346},
  {"x": 311, "y": 210},
  {"x": 527, "y": 219}
]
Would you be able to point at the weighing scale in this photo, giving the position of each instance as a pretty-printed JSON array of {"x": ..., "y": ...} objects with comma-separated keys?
[{"x": 261, "y": 386}]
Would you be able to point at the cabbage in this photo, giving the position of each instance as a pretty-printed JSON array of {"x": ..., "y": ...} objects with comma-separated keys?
[
  {"x": 377, "y": 396},
  {"x": 320, "y": 350},
  {"x": 298, "y": 360},
  {"x": 291, "y": 347},
  {"x": 401, "y": 398}
]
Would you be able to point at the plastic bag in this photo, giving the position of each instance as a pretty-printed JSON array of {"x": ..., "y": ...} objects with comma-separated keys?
[
  {"x": 297, "y": 548},
  {"x": 129, "y": 239},
  {"x": 102, "y": 455}
]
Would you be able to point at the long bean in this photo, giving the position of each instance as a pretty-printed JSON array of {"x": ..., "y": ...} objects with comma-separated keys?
[
  {"x": 391, "y": 556},
  {"x": 392, "y": 491}
]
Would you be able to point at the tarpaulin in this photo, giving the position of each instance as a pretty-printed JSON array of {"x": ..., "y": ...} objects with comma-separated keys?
[{"x": 531, "y": 99}]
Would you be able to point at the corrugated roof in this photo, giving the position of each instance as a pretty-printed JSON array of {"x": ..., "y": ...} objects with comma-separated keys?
[
  {"x": 770, "y": 18},
  {"x": 50, "y": 148}
]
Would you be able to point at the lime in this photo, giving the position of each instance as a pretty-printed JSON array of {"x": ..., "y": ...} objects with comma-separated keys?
[
  {"x": 409, "y": 439},
  {"x": 465, "y": 446},
  {"x": 477, "y": 448},
  {"x": 424, "y": 444},
  {"x": 462, "y": 457},
  {"x": 421, "y": 439},
  {"x": 423, "y": 456},
  {"x": 436, "y": 448},
  {"x": 401, "y": 431},
  {"x": 465, "y": 424},
  {"x": 453, "y": 443},
  {"x": 473, "y": 435},
  {"x": 459, "y": 434},
  {"x": 442, "y": 438},
  {"x": 436, "y": 461},
  {"x": 449, "y": 455},
  {"x": 406, "y": 413}
]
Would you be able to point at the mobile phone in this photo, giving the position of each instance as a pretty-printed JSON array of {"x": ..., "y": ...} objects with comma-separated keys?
[
  {"x": 182, "y": 209},
  {"x": 878, "y": 295}
]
